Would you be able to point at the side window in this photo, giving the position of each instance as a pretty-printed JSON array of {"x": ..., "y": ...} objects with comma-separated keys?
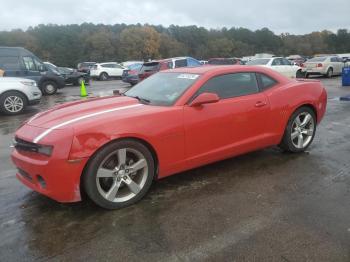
[
  {"x": 180, "y": 63},
  {"x": 193, "y": 62},
  {"x": 118, "y": 66},
  {"x": 39, "y": 65},
  {"x": 266, "y": 82},
  {"x": 231, "y": 85},
  {"x": 29, "y": 63},
  {"x": 334, "y": 59},
  {"x": 286, "y": 62},
  {"x": 9, "y": 63},
  {"x": 105, "y": 65},
  {"x": 277, "y": 62}
]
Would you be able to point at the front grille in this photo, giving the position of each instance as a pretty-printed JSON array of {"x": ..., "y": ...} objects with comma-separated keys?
[{"x": 23, "y": 145}]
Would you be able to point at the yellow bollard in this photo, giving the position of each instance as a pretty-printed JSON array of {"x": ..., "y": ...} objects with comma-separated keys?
[{"x": 83, "y": 92}]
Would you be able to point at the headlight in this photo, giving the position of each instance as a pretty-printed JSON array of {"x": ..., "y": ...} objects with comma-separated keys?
[
  {"x": 45, "y": 150},
  {"x": 29, "y": 83}
]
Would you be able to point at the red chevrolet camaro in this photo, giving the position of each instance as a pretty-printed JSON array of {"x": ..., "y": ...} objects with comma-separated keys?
[{"x": 113, "y": 148}]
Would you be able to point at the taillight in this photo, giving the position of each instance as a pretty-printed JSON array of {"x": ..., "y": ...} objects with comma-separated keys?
[
  {"x": 302, "y": 65},
  {"x": 319, "y": 65}
]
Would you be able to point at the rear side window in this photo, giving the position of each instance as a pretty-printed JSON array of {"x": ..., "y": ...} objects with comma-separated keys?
[
  {"x": 266, "y": 82},
  {"x": 150, "y": 67},
  {"x": 9, "y": 63},
  {"x": 231, "y": 85},
  {"x": 180, "y": 63}
]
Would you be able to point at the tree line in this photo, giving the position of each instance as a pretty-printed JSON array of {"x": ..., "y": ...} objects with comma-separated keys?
[{"x": 66, "y": 45}]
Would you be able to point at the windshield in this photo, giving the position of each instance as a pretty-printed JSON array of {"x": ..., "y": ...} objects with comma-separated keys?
[
  {"x": 261, "y": 61},
  {"x": 225, "y": 61},
  {"x": 317, "y": 59},
  {"x": 163, "y": 88}
]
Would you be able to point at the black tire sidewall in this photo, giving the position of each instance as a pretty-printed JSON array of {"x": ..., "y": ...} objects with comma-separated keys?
[
  {"x": 328, "y": 73},
  {"x": 12, "y": 93},
  {"x": 287, "y": 143},
  {"x": 44, "y": 84},
  {"x": 104, "y": 76},
  {"x": 90, "y": 172}
]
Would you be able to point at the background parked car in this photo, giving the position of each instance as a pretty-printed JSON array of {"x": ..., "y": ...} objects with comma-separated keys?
[
  {"x": 279, "y": 64},
  {"x": 297, "y": 59},
  {"x": 70, "y": 75},
  {"x": 17, "y": 93},
  {"x": 19, "y": 62},
  {"x": 129, "y": 63},
  {"x": 131, "y": 74},
  {"x": 149, "y": 68},
  {"x": 104, "y": 71},
  {"x": 224, "y": 61},
  {"x": 323, "y": 65},
  {"x": 85, "y": 67}
]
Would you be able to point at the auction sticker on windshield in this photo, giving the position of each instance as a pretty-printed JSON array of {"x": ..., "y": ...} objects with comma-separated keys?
[{"x": 188, "y": 76}]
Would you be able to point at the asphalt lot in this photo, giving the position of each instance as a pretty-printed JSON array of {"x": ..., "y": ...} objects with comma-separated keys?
[{"x": 264, "y": 206}]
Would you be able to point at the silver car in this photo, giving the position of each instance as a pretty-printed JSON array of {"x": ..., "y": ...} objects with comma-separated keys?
[
  {"x": 17, "y": 93},
  {"x": 323, "y": 65}
]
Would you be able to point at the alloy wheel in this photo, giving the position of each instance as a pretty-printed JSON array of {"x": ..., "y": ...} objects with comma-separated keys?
[
  {"x": 13, "y": 104},
  {"x": 303, "y": 128},
  {"x": 122, "y": 175}
]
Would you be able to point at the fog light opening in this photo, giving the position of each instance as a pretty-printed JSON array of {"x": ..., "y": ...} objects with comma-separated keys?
[{"x": 41, "y": 181}]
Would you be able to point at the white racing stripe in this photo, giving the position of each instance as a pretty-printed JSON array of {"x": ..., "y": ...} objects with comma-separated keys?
[{"x": 42, "y": 135}]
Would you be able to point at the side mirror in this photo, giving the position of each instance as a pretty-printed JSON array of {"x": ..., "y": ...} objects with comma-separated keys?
[{"x": 205, "y": 98}]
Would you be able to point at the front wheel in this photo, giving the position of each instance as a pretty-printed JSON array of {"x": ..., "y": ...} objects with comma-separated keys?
[
  {"x": 119, "y": 175},
  {"x": 300, "y": 130},
  {"x": 12, "y": 103}
]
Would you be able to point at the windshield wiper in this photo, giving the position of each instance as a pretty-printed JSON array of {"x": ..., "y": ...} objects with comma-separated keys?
[{"x": 142, "y": 100}]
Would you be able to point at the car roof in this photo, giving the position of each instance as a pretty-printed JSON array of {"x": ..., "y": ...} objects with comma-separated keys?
[{"x": 212, "y": 69}]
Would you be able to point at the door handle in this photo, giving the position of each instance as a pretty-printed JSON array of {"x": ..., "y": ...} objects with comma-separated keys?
[{"x": 260, "y": 104}]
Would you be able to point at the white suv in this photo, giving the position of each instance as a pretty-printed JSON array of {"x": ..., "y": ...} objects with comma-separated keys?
[
  {"x": 323, "y": 65},
  {"x": 17, "y": 93},
  {"x": 104, "y": 71}
]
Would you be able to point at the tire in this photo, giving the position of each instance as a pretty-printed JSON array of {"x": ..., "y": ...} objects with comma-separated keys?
[
  {"x": 110, "y": 182},
  {"x": 104, "y": 76},
  {"x": 49, "y": 88},
  {"x": 12, "y": 103},
  {"x": 299, "y": 74},
  {"x": 297, "y": 138},
  {"x": 78, "y": 81},
  {"x": 306, "y": 75},
  {"x": 329, "y": 73}
]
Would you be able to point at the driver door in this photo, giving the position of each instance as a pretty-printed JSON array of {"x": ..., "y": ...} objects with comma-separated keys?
[{"x": 231, "y": 126}]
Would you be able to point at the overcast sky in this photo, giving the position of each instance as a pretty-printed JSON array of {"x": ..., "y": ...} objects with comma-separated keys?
[{"x": 294, "y": 16}]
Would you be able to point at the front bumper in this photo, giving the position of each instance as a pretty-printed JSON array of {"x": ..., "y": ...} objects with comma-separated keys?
[
  {"x": 55, "y": 176},
  {"x": 34, "y": 102}
]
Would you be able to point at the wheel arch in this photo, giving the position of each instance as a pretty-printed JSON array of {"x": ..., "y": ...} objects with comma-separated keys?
[{"x": 18, "y": 91}]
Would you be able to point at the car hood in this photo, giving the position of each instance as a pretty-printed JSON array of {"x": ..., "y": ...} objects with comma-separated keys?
[
  {"x": 77, "y": 112},
  {"x": 14, "y": 79}
]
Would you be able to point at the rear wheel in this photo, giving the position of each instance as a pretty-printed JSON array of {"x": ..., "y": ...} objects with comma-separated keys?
[
  {"x": 300, "y": 130},
  {"x": 12, "y": 103},
  {"x": 49, "y": 88},
  {"x": 329, "y": 73},
  {"x": 104, "y": 76},
  {"x": 119, "y": 175},
  {"x": 299, "y": 74}
]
